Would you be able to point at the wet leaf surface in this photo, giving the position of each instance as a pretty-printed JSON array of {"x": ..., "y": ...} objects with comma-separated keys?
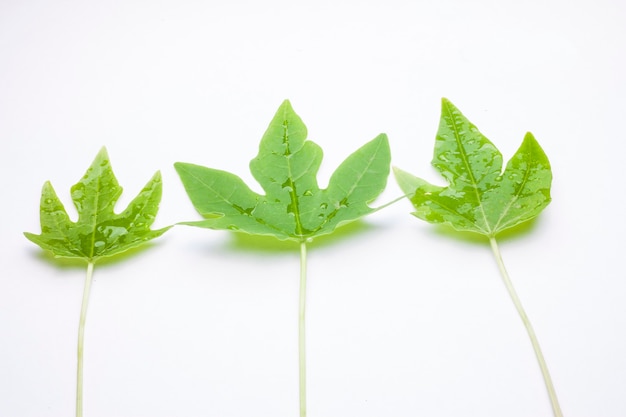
[
  {"x": 294, "y": 207},
  {"x": 480, "y": 197},
  {"x": 99, "y": 231}
]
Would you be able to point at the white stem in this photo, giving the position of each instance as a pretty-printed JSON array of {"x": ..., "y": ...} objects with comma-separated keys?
[
  {"x": 301, "y": 332},
  {"x": 556, "y": 408},
  {"x": 81, "y": 339},
  {"x": 392, "y": 202}
]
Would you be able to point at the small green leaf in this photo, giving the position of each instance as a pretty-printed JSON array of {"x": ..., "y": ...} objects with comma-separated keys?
[
  {"x": 99, "y": 232},
  {"x": 294, "y": 207},
  {"x": 480, "y": 197}
]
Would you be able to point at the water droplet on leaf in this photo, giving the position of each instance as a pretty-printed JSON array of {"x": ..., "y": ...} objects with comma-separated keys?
[{"x": 287, "y": 185}]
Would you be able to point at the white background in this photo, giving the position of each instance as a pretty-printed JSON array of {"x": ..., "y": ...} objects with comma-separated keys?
[{"x": 404, "y": 318}]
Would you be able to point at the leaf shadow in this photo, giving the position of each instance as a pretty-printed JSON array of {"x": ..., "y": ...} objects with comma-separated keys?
[
  {"x": 245, "y": 242},
  {"x": 74, "y": 263},
  {"x": 514, "y": 232},
  {"x": 521, "y": 229}
]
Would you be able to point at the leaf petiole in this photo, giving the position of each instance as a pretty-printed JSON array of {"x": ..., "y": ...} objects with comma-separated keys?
[
  {"x": 81, "y": 339},
  {"x": 395, "y": 200},
  {"x": 556, "y": 408},
  {"x": 301, "y": 330}
]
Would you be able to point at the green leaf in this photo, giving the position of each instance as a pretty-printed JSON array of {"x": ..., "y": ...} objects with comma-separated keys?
[
  {"x": 480, "y": 197},
  {"x": 294, "y": 207},
  {"x": 99, "y": 232}
]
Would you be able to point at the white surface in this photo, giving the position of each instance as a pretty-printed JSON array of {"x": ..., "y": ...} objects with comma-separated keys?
[{"x": 403, "y": 320}]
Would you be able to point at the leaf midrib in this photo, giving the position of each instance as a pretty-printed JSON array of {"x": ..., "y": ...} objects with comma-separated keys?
[
  {"x": 457, "y": 137},
  {"x": 453, "y": 211},
  {"x": 292, "y": 185},
  {"x": 233, "y": 205},
  {"x": 68, "y": 243},
  {"x": 95, "y": 218},
  {"x": 517, "y": 192},
  {"x": 333, "y": 213}
]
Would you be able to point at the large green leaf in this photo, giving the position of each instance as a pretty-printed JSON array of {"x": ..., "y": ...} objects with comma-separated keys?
[
  {"x": 99, "y": 232},
  {"x": 294, "y": 207},
  {"x": 480, "y": 197}
]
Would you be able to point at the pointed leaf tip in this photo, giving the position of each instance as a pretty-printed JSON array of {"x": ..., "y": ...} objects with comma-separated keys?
[
  {"x": 102, "y": 153},
  {"x": 445, "y": 102},
  {"x": 285, "y": 106},
  {"x": 382, "y": 137}
]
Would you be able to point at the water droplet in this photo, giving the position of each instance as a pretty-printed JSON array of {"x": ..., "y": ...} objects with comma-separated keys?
[
  {"x": 309, "y": 239},
  {"x": 233, "y": 227},
  {"x": 308, "y": 193},
  {"x": 323, "y": 206},
  {"x": 48, "y": 201},
  {"x": 320, "y": 216}
]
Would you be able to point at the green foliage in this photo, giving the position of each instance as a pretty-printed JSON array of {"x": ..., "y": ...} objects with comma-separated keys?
[
  {"x": 480, "y": 197},
  {"x": 294, "y": 207},
  {"x": 99, "y": 232}
]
